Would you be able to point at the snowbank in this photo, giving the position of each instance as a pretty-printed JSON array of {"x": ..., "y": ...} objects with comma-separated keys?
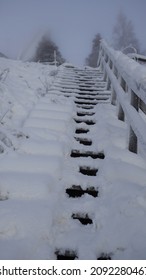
[{"x": 37, "y": 135}]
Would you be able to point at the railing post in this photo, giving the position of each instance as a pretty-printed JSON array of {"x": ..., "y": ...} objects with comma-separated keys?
[
  {"x": 108, "y": 84},
  {"x": 132, "y": 141},
  {"x": 113, "y": 97},
  {"x": 121, "y": 115},
  {"x": 113, "y": 93},
  {"x": 99, "y": 57},
  {"x": 133, "y": 144},
  {"x": 106, "y": 78},
  {"x": 105, "y": 73}
]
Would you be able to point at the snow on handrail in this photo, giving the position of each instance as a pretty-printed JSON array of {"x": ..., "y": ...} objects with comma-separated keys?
[
  {"x": 133, "y": 73},
  {"x": 127, "y": 80}
]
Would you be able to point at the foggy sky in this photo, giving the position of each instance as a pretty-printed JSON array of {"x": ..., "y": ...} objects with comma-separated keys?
[{"x": 71, "y": 23}]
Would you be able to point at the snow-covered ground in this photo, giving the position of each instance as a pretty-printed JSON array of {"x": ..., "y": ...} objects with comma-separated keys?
[{"x": 36, "y": 138}]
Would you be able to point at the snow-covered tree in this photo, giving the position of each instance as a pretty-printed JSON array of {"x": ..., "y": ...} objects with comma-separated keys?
[
  {"x": 45, "y": 51},
  {"x": 91, "y": 60},
  {"x": 123, "y": 34}
]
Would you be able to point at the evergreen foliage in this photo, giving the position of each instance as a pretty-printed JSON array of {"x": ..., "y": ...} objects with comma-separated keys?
[
  {"x": 91, "y": 60},
  {"x": 45, "y": 52},
  {"x": 124, "y": 35}
]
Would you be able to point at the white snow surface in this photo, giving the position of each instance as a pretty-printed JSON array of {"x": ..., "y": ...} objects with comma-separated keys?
[{"x": 36, "y": 138}]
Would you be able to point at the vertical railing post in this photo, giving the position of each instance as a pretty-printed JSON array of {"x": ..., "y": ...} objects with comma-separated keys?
[
  {"x": 113, "y": 93},
  {"x": 105, "y": 58},
  {"x": 121, "y": 115},
  {"x": 133, "y": 143},
  {"x": 108, "y": 84},
  {"x": 106, "y": 78},
  {"x": 99, "y": 56},
  {"x": 105, "y": 75},
  {"x": 113, "y": 97}
]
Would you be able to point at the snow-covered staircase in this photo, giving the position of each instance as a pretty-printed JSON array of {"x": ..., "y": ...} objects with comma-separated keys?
[
  {"x": 71, "y": 183},
  {"x": 70, "y": 189},
  {"x": 77, "y": 232},
  {"x": 49, "y": 183}
]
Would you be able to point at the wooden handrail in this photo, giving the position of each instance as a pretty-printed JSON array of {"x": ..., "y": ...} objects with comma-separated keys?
[{"x": 125, "y": 77}]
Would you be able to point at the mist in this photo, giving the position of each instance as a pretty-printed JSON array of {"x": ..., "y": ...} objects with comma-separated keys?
[{"x": 72, "y": 24}]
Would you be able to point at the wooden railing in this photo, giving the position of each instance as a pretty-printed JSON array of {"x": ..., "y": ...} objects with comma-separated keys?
[{"x": 127, "y": 81}]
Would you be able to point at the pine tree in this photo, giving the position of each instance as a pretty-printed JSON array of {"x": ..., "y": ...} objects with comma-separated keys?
[
  {"x": 91, "y": 60},
  {"x": 123, "y": 34},
  {"x": 45, "y": 51}
]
